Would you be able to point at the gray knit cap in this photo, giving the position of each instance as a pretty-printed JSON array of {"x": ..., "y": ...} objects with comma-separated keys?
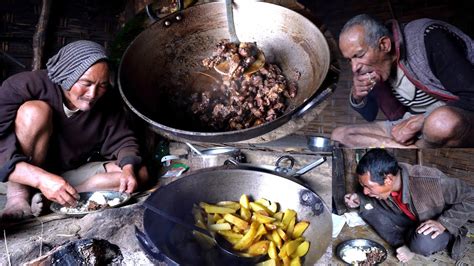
[{"x": 72, "y": 61}]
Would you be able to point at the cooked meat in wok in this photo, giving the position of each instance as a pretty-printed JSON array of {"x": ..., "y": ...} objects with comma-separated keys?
[{"x": 249, "y": 99}]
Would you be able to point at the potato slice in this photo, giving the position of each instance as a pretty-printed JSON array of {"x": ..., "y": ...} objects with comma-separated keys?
[
  {"x": 295, "y": 261},
  {"x": 283, "y": 252},
  {"x": 272, "y": 250},
  {"x": 263, "y": 201},
  {"x": 246, "y": 241},
  {"x": 229, "y": 204},
  {"x": 301, "y": 250},
  {"x": 270, "y": 262},
  {"x": 263, "y": 219},
  {"x": 209, "y": 208},
  {"x": 198, "y": 217},
  {"x": 292, "y": 245},
  {"x": 287, "y": 216},
  {"x": 277, "y": 239},
  {"x": 231, "y": 240},
  {"x": 271, "y": 227},
  {"x": 230, "y": 234},
  {"x": 282, "y": 234},
  {"x": 278, "y": 216},
  {"x": 220, "y": 227},
  {"x": 271, "y": 206},
  {"x": 261, "y": 230},
  {"x": 286, "y": 261},
  {"x": 258, "y": 207},
  {"x": 236, "y": 221},
  {"x": 300, "y": 228},
  {"x": 291, "y": 227},
  {"x": 259, "y": 248},
  {"x": 244, "y": 201},
  {"x": 246, "y": 214}
]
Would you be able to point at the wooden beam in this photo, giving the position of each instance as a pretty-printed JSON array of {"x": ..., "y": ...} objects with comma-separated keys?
[{"x": 39, "y": 36}]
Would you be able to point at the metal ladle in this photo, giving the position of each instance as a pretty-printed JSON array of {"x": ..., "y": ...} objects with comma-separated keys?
[
  {"x": 194, "y": 149},
  {"x": 224, "y": 67},
  {"x": 218, "y": 240}
]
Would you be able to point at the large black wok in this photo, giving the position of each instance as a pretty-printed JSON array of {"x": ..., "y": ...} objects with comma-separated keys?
[
  {"x": 162, "y": 63},
  {"x": 224, "y": 183}
]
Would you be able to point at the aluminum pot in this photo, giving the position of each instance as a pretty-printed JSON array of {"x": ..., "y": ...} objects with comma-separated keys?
[
  {"x": 164, "y": 60},
  {"x": 224, "y": 183}
]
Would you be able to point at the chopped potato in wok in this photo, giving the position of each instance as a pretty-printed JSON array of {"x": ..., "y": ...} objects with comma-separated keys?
[{"x": 256, "y": 228}]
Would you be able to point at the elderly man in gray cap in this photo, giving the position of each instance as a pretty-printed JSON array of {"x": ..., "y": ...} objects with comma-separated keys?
[{"x": 52, "y": 121}]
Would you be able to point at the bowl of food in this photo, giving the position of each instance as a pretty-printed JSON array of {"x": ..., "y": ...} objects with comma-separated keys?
[
  {"x": 90, "y": 202},
  {"x": 361, "y": 251}
]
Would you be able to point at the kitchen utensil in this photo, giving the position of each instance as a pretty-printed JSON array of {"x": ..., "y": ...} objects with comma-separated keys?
[
  {"x": 223, "y": 67},
  {"x": 219, "y": 241},
  {"x": 320, "y": 144}
]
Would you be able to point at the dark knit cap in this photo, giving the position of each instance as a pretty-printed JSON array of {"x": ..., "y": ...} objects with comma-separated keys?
[{"x": 72, "y": 61}]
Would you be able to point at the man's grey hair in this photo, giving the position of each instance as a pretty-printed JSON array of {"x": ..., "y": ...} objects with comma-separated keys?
[{"x": 374, "y": 29}]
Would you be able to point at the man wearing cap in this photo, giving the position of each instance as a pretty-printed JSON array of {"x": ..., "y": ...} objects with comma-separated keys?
[
  {"x": 416, "y": 209},
  {"x": 52, "y": 121}
]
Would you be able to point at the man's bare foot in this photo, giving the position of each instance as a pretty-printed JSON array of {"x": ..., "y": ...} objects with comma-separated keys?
[
  {"x": 404, "y": 254},
  {"x": 37, "y": 203},
  {"x": 17, "y": 208}
]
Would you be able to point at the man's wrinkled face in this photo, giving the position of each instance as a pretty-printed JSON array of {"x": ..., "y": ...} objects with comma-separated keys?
[
  {"x": 374, "y": 189},
  {"x": 363, "y": 58},
  {"x": 89, "y": 88}
]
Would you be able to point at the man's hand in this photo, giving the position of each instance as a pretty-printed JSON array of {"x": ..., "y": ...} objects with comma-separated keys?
[
  {"x": 405, "y": 132},
  {"x": 128, "y": 182},
  {"x": 55, "y": 188},
  {"x": 429, "y": 227},
  {"x": 362, "y": 85},
  {"x": 352, "y": 200}
]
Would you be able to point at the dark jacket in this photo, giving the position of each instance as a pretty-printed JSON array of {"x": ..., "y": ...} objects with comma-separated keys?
[
  {"x": 440, "y": 63},
  {"x": 103, "y": 129}
]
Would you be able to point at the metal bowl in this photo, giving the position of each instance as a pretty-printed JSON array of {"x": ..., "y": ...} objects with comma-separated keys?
[
  {"x": 84, "y": 197},
  {"x": 360, "y": 243},
  {"x": 320, "y": 144}
]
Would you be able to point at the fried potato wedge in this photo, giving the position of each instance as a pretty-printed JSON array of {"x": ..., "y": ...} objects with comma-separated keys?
[
  {"x": 246, "y": 241},
  {"x": 259, "y": 248},
  {"x": 209, "y": 208},
  {"x": 241, "y": 224},
  {"x": 300, "y": 228}
]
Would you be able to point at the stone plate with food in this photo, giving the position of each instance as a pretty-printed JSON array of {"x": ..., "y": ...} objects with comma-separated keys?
[
  {"x": 361, "y": 251},
  {"x": 90, "y": 202}
]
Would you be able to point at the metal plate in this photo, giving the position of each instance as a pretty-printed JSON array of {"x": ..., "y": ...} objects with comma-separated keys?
[
  {"x": 359, "y": 243},
  {"x": 84, "y": 196}
]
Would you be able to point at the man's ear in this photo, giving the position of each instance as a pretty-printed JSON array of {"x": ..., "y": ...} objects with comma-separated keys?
[
  {"x": 385, "y": 44},
  {"x": 389, "y": 178}
]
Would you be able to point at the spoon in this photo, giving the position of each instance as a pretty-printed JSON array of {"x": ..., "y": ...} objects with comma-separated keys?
[
  {"x": 217, "y": 239},
  {"x": 224, "y": 67},
  {"x": 194, "y": 149}
]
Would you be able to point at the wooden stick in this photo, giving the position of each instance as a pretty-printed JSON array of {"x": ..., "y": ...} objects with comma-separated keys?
[
  {"x": 39, "y": 36},
  {"x": 6, "y": 248}
]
